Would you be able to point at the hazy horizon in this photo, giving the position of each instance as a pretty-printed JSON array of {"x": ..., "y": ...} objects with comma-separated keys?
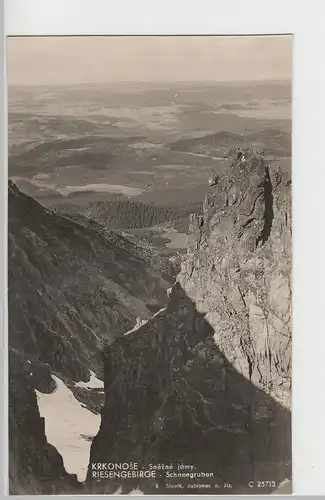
[
  {"x": 56, "y": 61},
  {"x": 117, "y": 83}
]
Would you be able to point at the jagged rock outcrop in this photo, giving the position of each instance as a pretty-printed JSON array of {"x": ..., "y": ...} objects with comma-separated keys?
[
  {"x": 238, "y": 271},
  {"x": 206, "y": 382}
]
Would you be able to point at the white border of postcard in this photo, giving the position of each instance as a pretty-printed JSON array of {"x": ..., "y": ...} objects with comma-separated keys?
[{"x": 184, "y": 17}]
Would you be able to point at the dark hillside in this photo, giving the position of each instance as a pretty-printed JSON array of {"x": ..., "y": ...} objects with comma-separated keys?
[
  {"x": 125, "y": 214},
  {"x": 273, "y": 141}
]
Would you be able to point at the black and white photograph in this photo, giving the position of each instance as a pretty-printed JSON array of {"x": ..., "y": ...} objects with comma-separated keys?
[{"x": 149, "y": 265}]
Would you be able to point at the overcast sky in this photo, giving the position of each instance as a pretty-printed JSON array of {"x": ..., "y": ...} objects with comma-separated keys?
[{"x": 66, "y": 60}]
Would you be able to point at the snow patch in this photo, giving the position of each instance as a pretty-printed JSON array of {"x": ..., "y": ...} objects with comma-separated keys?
[
  {"x": 133, "y": 492},
  {"x": 284, "y": 488},
  {"x": 141, "y": 322},
  {"x": 158, "y": 312},
  {"x": 94, "y": 382},
  {"x": 68, "y": 427},
  {"x": 138, "y": 325}
]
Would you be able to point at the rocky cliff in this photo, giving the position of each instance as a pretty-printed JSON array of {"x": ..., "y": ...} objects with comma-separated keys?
[
  {"x": 238, "y": 270},
  {"x": 206, "y": 382}
]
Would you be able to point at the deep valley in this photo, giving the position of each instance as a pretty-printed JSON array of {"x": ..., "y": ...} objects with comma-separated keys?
[{"x": 149, "y": 267}]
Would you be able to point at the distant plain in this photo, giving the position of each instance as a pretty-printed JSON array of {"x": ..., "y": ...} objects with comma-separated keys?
[
  {"x": 72, "y": 146},
  {"x": 79, "y": 143}
]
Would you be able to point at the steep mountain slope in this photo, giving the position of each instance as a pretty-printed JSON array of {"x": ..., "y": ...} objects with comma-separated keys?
[
  {"x": 140, "y": 245},
  {"x": 206, "y": 382},
  {"x": 72, "y": 290},
  {"x": 68, "y": 281}
]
